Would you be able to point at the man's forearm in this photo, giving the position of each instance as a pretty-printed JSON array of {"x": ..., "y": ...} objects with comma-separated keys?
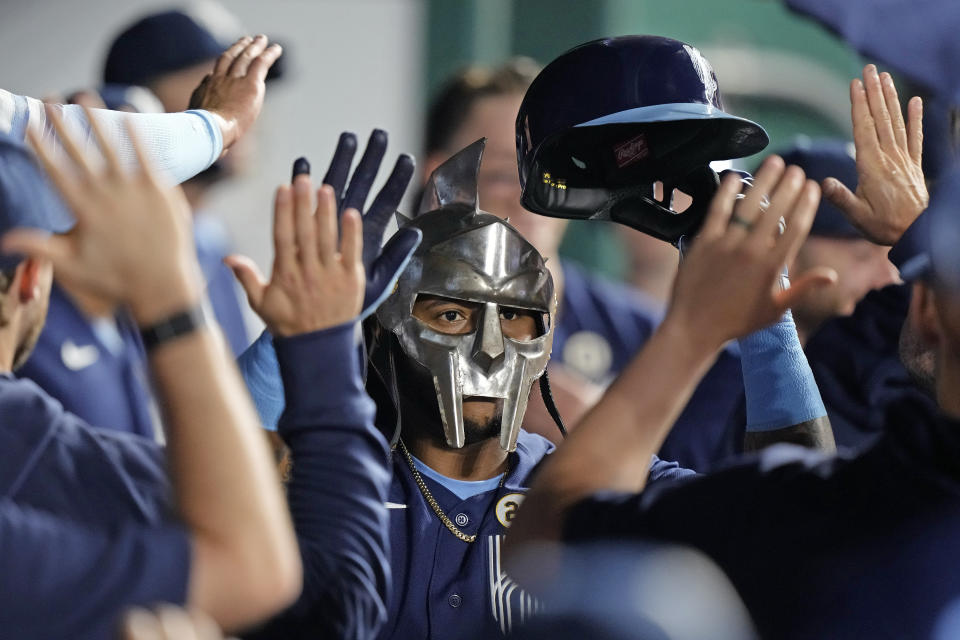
[
  {"x": 179, "y": 145},
  {"x": 782, "y": 397},
  {"x": 227, "y": 489},
  {"x": 611, "y": 448},
  {"x": 813, "y": 434}
]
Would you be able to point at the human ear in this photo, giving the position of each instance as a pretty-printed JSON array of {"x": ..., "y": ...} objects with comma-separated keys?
[
  {"x": 28, "y": 275},
  {"x": 922, "y": 313}
]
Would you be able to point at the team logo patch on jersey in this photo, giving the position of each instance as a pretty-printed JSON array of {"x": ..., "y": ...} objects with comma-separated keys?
[
  {"x": 507, "y": 508},
  {"x": 589, "y": 354},
  {"x": 77, "y": 357}
]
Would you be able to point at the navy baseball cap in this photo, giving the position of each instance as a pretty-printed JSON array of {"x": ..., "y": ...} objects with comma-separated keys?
[
  {"x": 164, "y": 43},
  {"x": 826, "y": 158},
  {"x": 26, "y": 197}
]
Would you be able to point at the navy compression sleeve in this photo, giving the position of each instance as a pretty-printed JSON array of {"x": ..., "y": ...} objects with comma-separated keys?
[{"x": 337, "y": 491}]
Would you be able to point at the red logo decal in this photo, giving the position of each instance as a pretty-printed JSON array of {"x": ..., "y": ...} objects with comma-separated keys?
[{"x": 631, "y": 151}]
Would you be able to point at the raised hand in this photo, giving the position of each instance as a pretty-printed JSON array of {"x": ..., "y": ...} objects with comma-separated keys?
[
  {"x": 383, "y": 266},
  {"x": 132, "y": 241},
  {"x": 891, "y": 191},
  {"x": 316, "y": 282},
  {"x": 234, "y": 90},
  {"x": 729, "y": 284}
]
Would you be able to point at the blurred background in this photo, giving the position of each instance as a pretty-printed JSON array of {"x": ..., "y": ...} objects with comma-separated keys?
[{"x": 357, "y": 64}]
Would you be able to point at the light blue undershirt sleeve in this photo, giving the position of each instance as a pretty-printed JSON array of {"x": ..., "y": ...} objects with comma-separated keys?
[
  {"x": 179, "y": 145},
  {"x": 778, "y": 384},
  {"x": 463, "y": 489},
  {"x": 261, "y": 373}
]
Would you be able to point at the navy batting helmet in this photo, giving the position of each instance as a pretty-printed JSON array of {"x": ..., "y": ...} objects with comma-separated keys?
[{"x": 608, "y": 119}]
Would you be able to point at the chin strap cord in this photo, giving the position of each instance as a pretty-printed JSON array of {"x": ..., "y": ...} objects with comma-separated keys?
[{"x": 551, "y": 405}]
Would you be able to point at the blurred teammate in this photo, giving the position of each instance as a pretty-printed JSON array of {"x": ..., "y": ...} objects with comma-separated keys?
[
  {"x": 171, "y": 53},
  {"x": 67, "y": 471}
]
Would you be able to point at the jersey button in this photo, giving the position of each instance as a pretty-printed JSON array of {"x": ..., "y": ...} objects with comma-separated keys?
[
  {"x": 455, "y": 600},
  {"x": 462, "y": 520}
]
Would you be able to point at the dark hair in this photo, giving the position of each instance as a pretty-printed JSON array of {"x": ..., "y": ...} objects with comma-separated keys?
[{"x": 453, "y": 102}]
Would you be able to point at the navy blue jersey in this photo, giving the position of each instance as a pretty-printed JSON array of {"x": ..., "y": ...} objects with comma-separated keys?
[
  {"x": 85, "y": 523},
  {"x": 819, "y": 546},
  {"x": 62, "y": 579},
  {"x": 446, "y": 588},
  {"x": 213, "y": 245},
  {"x": 51, "y": 460},
  {"x": 601, "y": 325},
  {"x": 106, "y": 385}
]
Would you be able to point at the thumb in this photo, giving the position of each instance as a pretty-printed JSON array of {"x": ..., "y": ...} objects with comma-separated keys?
[
  {"x": 248, "y": 274},
  {"x": 386, "y": 269},
  {"x": 395, "y": 255},
  {"x": 806, "y": 284},
  {"x": 842, "y": 198},
  {"x": 37, "y": 244}
]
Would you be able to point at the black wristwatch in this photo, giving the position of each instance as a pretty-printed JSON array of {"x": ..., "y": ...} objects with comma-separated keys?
[{"x": 174, "y": 326}]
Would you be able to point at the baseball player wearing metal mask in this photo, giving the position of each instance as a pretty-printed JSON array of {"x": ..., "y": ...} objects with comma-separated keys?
[{"x": 454, "y": 352}]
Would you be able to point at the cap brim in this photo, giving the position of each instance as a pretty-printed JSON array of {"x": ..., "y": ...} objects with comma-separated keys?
[{"x": 745, "y": 136}]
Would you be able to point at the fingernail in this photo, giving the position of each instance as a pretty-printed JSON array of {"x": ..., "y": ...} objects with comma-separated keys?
[
  {"x": 260, "y": 36},
  {"x": 300, "y": 165}
]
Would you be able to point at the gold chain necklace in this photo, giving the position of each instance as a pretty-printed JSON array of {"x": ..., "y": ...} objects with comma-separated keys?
[{"x": 447, "y": 522}]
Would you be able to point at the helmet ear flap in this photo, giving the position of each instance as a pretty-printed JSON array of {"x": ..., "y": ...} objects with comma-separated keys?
[{"x": 643, "y": 212}]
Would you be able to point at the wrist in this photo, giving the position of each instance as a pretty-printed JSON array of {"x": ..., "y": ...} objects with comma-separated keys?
[
  {"x": 174, "y": 326},
  {"x": 689, "y": 336},
  {"x": 228, "y": 129},
  {"x": 153, "y": 304}
]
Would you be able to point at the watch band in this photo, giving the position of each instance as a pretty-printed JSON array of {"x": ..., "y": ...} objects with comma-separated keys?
[{"x": 173, "y": 326}]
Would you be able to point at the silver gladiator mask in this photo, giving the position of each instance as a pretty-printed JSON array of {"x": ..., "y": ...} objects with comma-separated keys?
[{"x": 472, "y": 256}]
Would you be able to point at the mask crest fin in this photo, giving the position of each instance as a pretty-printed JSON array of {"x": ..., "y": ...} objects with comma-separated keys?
[{"x": 455, "y": 181}]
